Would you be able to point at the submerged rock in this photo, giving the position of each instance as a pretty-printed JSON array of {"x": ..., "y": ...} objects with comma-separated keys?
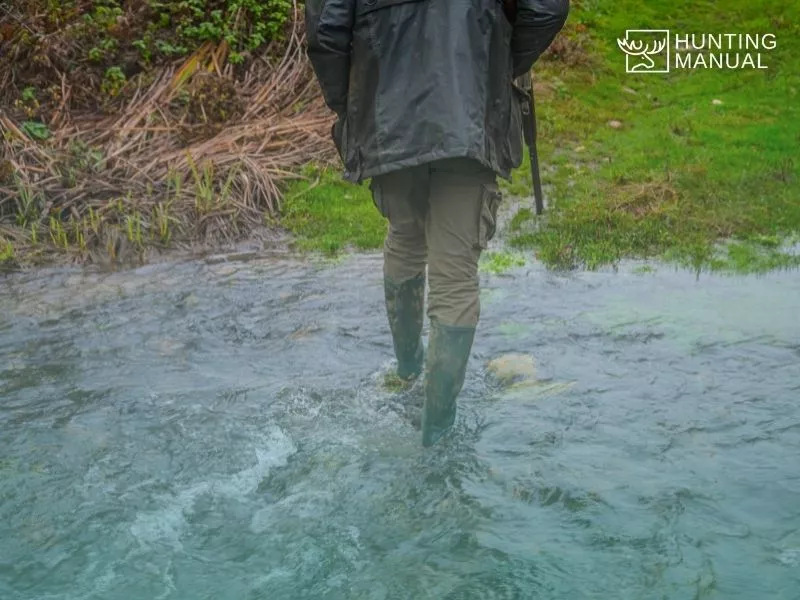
[
  {"x": 517, "y": 374},
  {"x": 511, "y": 369}
]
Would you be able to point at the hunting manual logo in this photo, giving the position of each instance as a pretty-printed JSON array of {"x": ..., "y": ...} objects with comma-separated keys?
[{"x": 660, "y": 51}]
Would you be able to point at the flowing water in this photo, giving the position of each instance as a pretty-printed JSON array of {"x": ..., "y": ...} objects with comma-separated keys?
[{"x": 195, "y": 431}]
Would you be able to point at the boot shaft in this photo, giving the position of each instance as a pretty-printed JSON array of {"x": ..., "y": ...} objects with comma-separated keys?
[
  {"x": 448, "y": 354},
  {"x": 405, "y": 309}
]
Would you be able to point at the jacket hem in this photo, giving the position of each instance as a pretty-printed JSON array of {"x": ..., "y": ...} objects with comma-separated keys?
[{"x": 421, "y": 159}]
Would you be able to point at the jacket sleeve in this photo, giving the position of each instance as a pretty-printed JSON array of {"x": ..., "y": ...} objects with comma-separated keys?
[
  {"x": 329, "y": 29},
  {"x": 535, "y": 27}
]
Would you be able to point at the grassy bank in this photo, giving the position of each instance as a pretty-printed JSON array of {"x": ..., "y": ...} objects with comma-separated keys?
[
  {"x": 132, "y": 127},
  {"x": 699, "y": 167},
  {"x": 672, "y": 165}
]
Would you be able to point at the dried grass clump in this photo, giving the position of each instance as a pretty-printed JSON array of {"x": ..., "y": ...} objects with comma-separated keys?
[{"x": 642, "y": 200}]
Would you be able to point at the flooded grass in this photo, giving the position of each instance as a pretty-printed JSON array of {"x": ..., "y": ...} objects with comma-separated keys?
[{"x": 498, "y": 262}]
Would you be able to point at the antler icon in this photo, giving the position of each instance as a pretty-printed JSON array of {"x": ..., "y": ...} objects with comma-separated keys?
[{"x": 639, "y": 48}]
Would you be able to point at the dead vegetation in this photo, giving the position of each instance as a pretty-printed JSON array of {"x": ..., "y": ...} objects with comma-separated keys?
[
  {"x": 646, "y": 199},
  {"x": 571, "y": 47},
  {"x": 185, "y": 154}
]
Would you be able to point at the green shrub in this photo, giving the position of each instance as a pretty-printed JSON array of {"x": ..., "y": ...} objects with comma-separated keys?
[{"x": 245, "y": 25}]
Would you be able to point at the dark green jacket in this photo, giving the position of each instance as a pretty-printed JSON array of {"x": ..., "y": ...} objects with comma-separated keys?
[{"x": 414, "y": 81}]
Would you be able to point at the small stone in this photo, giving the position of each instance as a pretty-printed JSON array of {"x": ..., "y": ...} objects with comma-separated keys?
[
  {"x": 215, "y": 259},
  {"x": 223, "y": 269},
  {"x": 614, "y": 124},
  {"x": 716, "y": 102},
  {"x": 191, "y": 301},
  {"x": 244, "y": 256}
]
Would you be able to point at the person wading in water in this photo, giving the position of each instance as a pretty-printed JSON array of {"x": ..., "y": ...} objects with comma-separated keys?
[{"x": 426, "y": 106}]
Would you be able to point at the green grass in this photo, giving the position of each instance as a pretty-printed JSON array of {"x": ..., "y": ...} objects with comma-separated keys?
[
  {"x": 704, "y": 170},
  {"x": 328, "y": 214},
  {"x": 683, "y": 172},
  {"x": 498, "y": 262}
]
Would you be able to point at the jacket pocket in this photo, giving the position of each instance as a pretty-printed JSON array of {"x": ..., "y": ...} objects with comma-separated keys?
[
  {"x": 378, "y": 197},
  {"x": 487, "y": 220}
]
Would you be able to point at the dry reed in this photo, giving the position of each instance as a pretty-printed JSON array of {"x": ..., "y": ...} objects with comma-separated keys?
[{"x": 184, "y": 171}]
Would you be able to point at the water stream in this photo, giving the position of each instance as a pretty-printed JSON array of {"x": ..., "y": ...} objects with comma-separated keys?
[{"x": 192, "y": 431}]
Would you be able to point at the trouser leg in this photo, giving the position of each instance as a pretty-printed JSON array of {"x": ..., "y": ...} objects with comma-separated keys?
[
  {"x": 463, "y": 202},
  {"x": 461, "y": 220},
  {"x": 402, "y": 198}
]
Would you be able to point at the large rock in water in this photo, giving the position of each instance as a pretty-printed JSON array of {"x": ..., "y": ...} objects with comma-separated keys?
[{"x": 512, "y": 369}]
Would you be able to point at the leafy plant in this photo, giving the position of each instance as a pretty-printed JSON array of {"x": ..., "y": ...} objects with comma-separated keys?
[
  {"x": 29, "y": 94},
  {"x": 28, "y": 102},
  {"x": 36, "y": 130},
  {"x": 105, "y": 13},
  {"x": 170, "y": 49},
  {"x": 113, "y": 81},
  {"x": 245, "y": 25},
  {"x": 104, "y": 47},
  {"x": 144, "y": 49}
]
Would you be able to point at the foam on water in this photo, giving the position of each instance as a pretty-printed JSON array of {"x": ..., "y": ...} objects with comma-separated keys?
[{"x": 167, "y": 523}]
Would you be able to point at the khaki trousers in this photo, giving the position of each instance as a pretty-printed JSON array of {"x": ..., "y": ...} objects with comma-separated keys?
[{"x": 441, "y": 214}]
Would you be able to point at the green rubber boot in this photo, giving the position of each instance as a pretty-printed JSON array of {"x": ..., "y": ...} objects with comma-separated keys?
[
  {"x": 405, "y": 307},
  {"x": 448, "y": 354}
]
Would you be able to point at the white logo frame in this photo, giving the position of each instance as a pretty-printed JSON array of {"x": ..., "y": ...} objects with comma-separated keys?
[{"x": 634, "y": 49}]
